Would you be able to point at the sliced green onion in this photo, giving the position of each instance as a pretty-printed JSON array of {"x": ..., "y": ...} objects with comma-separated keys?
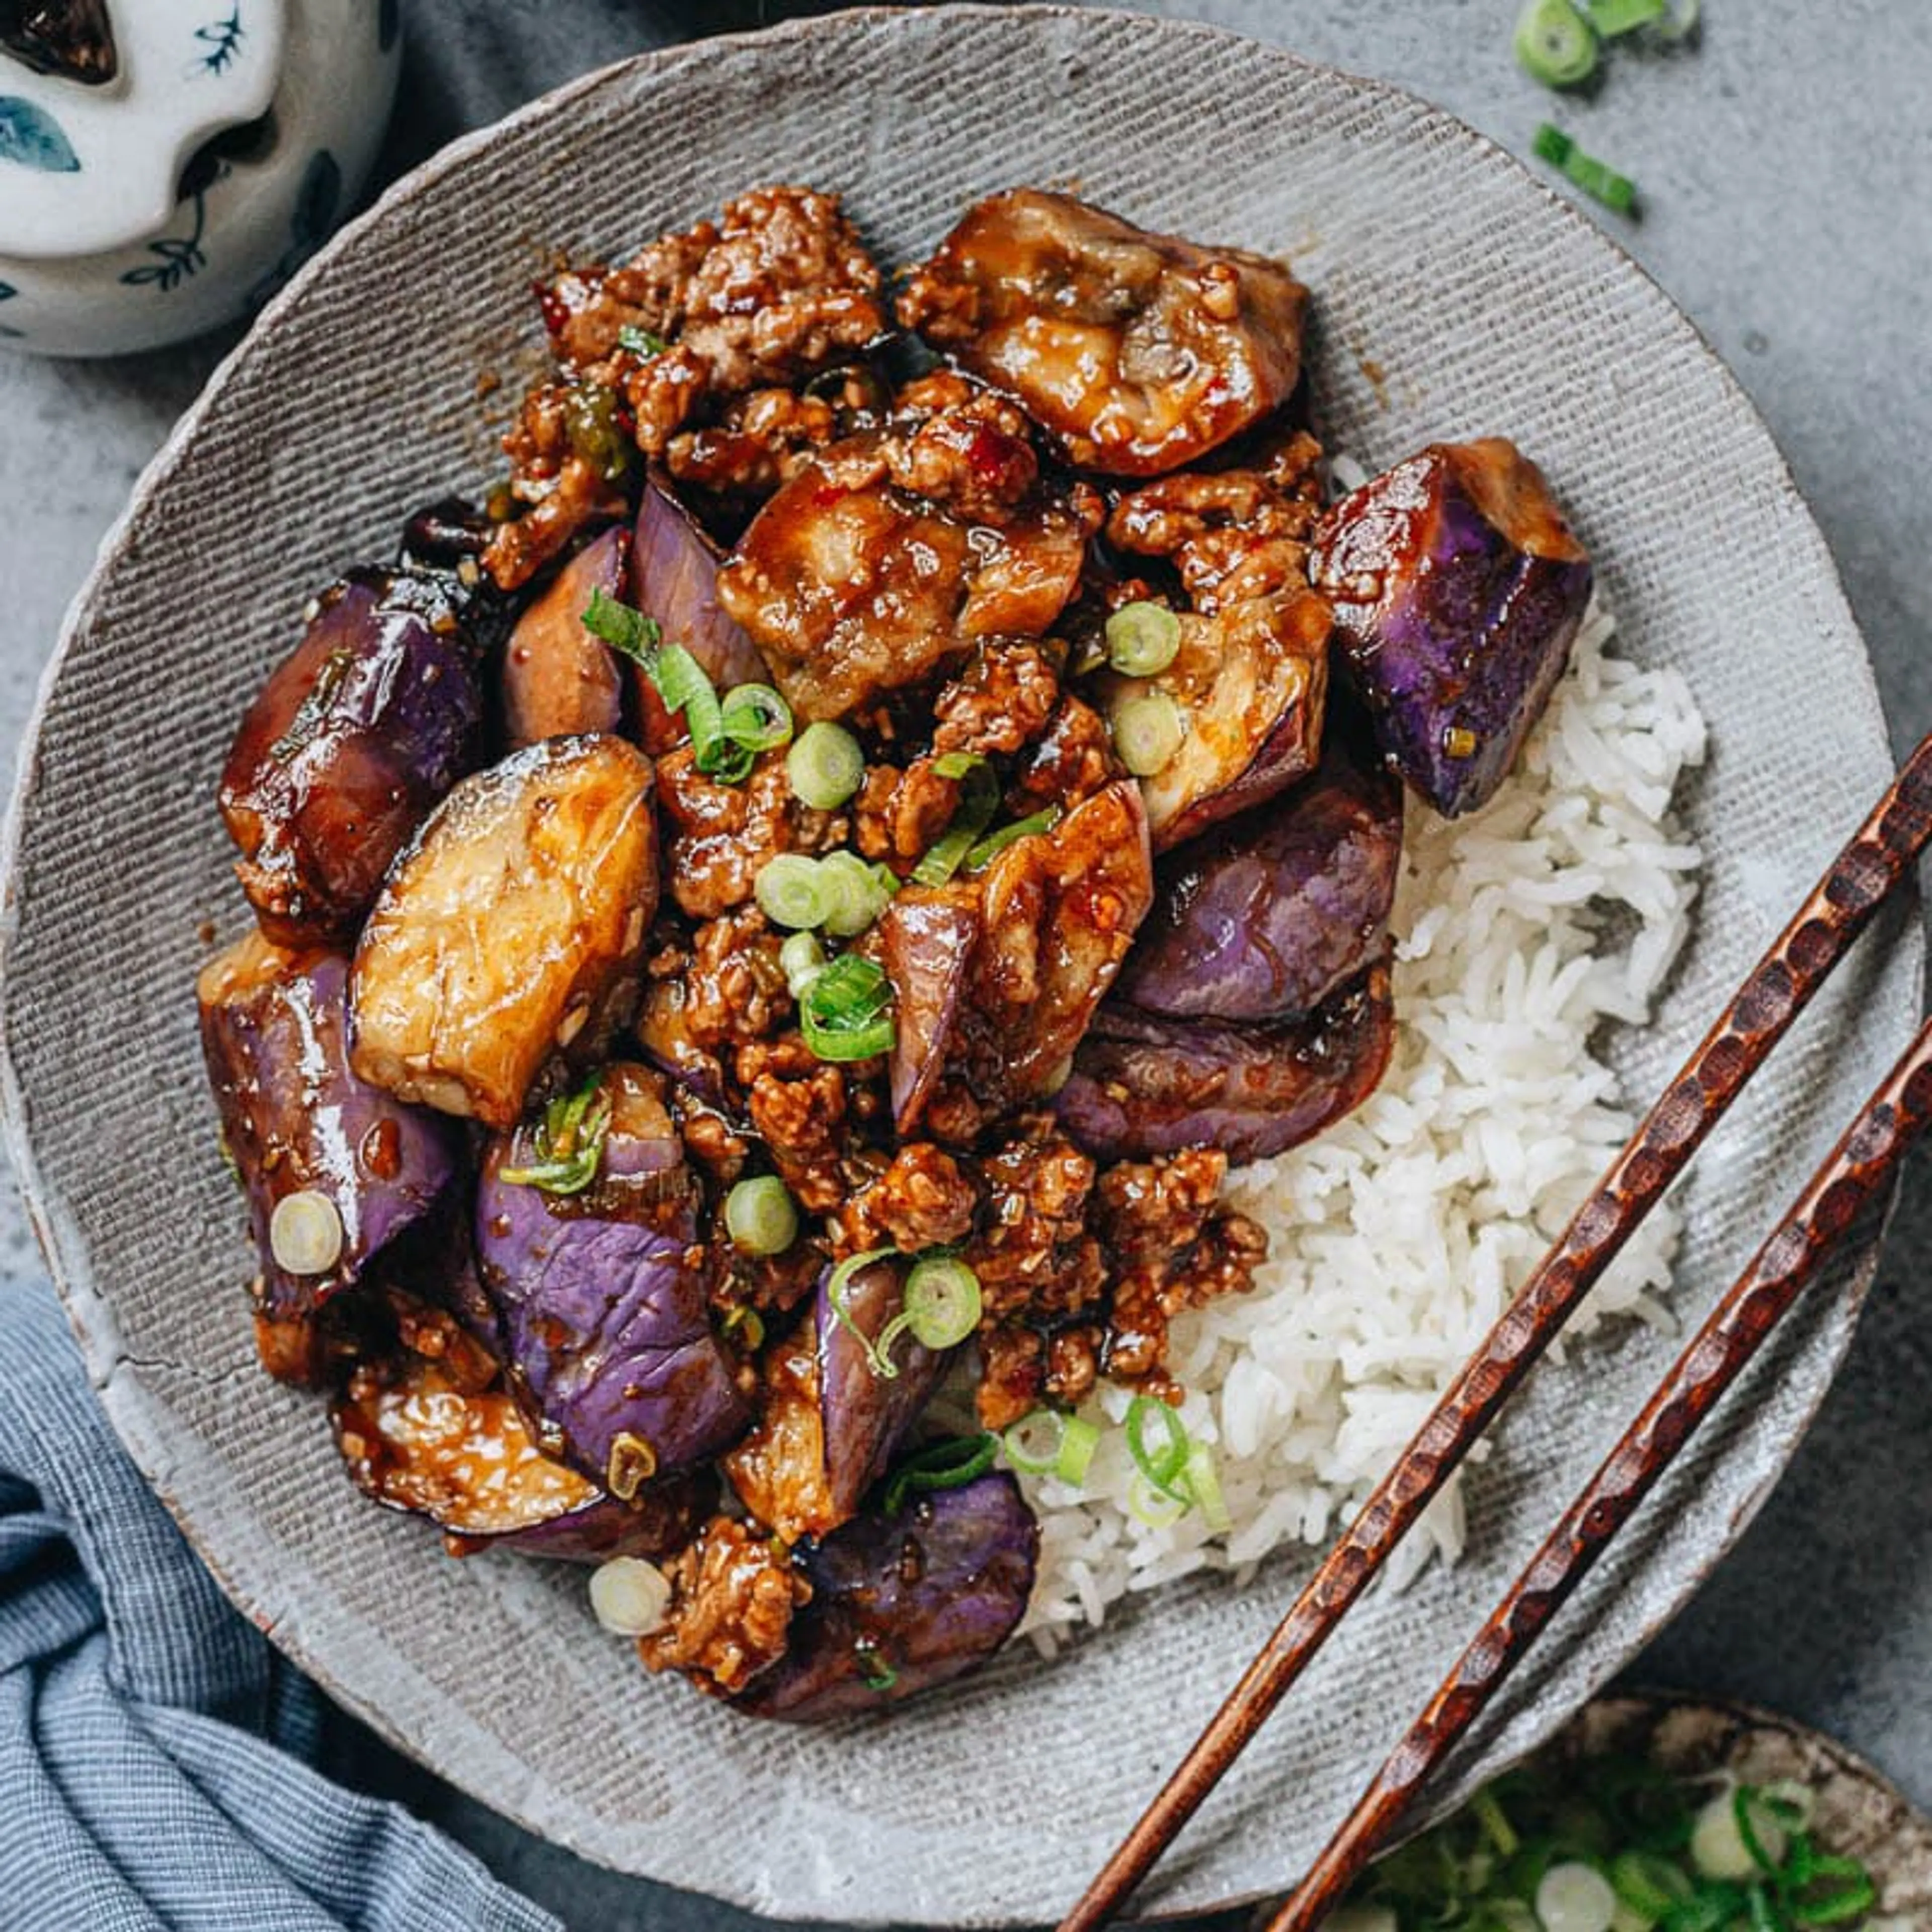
[
  {"x": 1486, "y": 1809},
  {"x": 1681, "y": 19},
  {"x": 826, "y": 765},
  {"x": 1162, "y": 1460},
  {"x": 838, "y": 1293},
  {"x": 1049, "y": 1442},
  {"x": 628, "y": 632},
  {"x": 942, "y": 1301},
  {"x": 875, "y": 1672},
  {"x": 854, "y": 893},
  {"x": 640, "y": 341},
  {"x": 1201, "y": 1484},
  {"x": 1573, "y": 1897},
  {"x": 1849, "y": 1893},
  {"x": 305, "y": 1232},
  {"x": 845, "y": 1014},
  {"x": 1610, "y": 18},
  {"x": 743, "y": 1324},
  {"x": 791, "y": 891},
  {"x": 756, "y": 717},
  {"x": 1554, "y": 44},
  {"x": 1649, "y": 1884},
  {"x": 569, "y": 1143},
  {"x": 945, "y": 1464},
  {"x": 1596, "y": 178},
  {"x": 1143, "y": 638},
  {"x": 990, "y": 848},
  {"x": 979, "y": 799},
  {"x": 683, "y": 684},
  {"x": 1148, "y": 732},
  {"x": 1147, "y": 1502},
  {"x": 759, "y": 1216},
  {"x": 629, "y": 1596},
  {"x": 802, "y": 958}
]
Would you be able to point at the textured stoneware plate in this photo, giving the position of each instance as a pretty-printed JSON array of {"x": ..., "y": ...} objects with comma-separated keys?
[
  {"x": 1858, "y": 1813},
  {"x": 1489, "y": 308}
]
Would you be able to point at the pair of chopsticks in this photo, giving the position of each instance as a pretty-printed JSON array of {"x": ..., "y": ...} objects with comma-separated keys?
[{"x": 1798, "y": 962}]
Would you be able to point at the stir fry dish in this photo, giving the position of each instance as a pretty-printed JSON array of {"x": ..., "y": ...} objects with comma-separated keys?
[{"x": 800, "y": 894}]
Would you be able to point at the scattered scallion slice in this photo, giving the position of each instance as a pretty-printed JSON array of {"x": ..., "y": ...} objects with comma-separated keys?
[
  {"x": 875, "y": 1672},
  {"x": 1143, "y": 638},
  {"x": 683, "y": 684},
  {"x": 791, "y": 891},
  {"x": 569, "y": 1143},
  {"x": 1201, "y": 1483},
  {"x": 1573, "y": 1897},
  {"x": 948, "y": 1464},
  {"x": 1610, "y": 18},
  {"x": 759, "y": 1216},
  {"x": 979, "y": 799},
  {"x": 1158, "y": 1441},
  {"x": 803, "y": 959},
  {"x": 305, "y": 1233},
  {"x": 1555, "y": 43},
  {"x": 838, "y": 1293},
  {"x": 854, "y": 893},
  {"x": 1050, "y": 1443},
  {"x": 1596, "y": 178},
  {"x": 942, "y": 1301},
  {"x": 990, "y": 848},
  {"x": 756, "y": 717},
  {"x": 640, "y": 341},
  {"x": 1148, "y": 732},
  {"x": 629, "y": 1596},
  {"x": 1680, "y": 20},
  {"x": 826, "y": 765},
  {"x": 846, "y": 1014},
  {"x": 628, "y": 632},
  {"x": 1148, "y": 1503}
]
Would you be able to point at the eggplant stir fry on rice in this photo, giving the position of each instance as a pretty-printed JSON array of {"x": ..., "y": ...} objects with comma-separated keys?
[{"x": 795, "y": 905}]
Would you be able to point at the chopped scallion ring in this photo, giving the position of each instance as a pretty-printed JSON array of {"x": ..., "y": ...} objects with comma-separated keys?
[
  {"x": 826, "y": 767},
  {"x": 683, "y": 685},
  {"x": 942, "y": 1301},
  {"x": 1650, "y": 1885},
  {"x": 756, "y": 717},
  {"x": 1143, "y": 638},
  {"x": 1201, "y": 1483},
  {"x": 1573, "y": 1897},
  {"x": 629, "y": 1596},
  {"x": 838, "y": 1293},
  {"x": 640, "y": 341},
  {"x": 853, "y": 893},
  {"x": 1148, "y": 732},
  {"x": 990, "y": 848},
  {"x": 979, "y": 799},
  {"x": 791, "y": 891},
  {"x": 875, "y": 1672},
  {"x": 1051, "y": 1443},
  {"x": 1148, "y": 1503},
  {"x": 1162, "y": 1460},
  {"x": 845, "y": 1014},
  {"x": 803, "y": 959},
  {"x": 1555, "y": 43},
  {"x": 1610, "y": 18},
  {"x": 760, "y": 1217},
  {"x": 1681, "y": 19},
  {"x": 1595, "y": 177},
  {"x": 948, "y": 1464},
  {"x": 627, "y": 631},
  {"x": 569, "y": 1143},
  {"x": 305, "y": 1233}
]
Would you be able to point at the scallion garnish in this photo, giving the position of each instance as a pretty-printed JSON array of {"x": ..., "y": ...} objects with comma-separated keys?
[
  {"x": 1610, "y": 18},
  {"x": 760, "y": 1217},
  {"x": 803, "y": 959},
  {"x": 1148, "y": 732},
  {"x": 1158, "y": 1441},
  {"x": 1555, "y": 43},
  {"x": 640, "y": 341},
  {"x": 569, "y": 1143},
  {"x": 846, "y": 1014},
  {"x": 979, "y": 799},
  {"x": 683, "y": 685},
  {"x": 853, "y": 892},
  {"x": 1143, "y": 638},
  {"x": 1048, "y": 1443},
  {"x": 826, "y": 765},
  {"x": 838, "y": 1293},
  {"x": 1596, "y": 178},
  {"x": 948, "y": 1464},
  {"x": 627, "y": 631},
  {"x": 790, "y": 892},
  {"x": 875, "y": 1672},
  {"x": 756, "y": 717},
  {"x": 990, "y": 848}
]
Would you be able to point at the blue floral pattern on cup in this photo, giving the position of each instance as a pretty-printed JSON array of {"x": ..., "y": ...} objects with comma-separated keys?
[
  {"x": 179, "y": 256},
  {"x": 222, "y": 39},
  {"x": 31, "y": 135}
]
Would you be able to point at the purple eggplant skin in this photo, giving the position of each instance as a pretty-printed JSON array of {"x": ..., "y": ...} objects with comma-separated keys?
[
  {"x": 674, "y": 576},
  {"x": 294, "y": 1117},
  {"x": 1458, "y": 589},
  {"x": 559, "y": 679},
  {"x": 1143, "y": 1085},
  {"x": 1271, "y": 912},
  {"x": 356, "y": 734},
  {"x": 904, "y": 1602},
  {"x": 926, "y": 941},
  {"x": 601, "y": 1296}
]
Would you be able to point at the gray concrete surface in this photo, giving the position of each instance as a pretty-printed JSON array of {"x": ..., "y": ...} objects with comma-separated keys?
[{"x": 1782, "y": 160}]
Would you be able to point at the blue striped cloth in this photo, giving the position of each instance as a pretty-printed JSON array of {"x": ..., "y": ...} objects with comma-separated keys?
[{"x": 155, "y": 1771}]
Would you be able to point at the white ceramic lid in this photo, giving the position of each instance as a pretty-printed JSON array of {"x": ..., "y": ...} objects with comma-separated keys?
[{"x": 85, "y": 168}]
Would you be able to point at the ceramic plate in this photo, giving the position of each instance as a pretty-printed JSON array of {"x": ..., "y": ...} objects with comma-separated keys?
[{"x": 1455, "y": 298}]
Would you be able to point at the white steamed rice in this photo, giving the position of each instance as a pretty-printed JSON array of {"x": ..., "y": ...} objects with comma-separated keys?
[{"x": 1396, "y": 1237}]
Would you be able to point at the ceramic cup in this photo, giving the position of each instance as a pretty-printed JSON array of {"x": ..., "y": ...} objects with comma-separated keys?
[{"x": 171, "y": 166}]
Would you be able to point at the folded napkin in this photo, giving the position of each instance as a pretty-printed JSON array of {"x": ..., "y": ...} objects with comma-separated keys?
[{"x": 155, "y": 1750}]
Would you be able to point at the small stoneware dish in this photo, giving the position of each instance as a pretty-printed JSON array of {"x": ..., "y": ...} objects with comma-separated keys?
[
  {"x": 1454, "y": 297},
  {"x": 167, "y": 165}
]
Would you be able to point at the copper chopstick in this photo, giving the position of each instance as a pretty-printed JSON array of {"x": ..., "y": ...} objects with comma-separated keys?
[
  {"x": 1853, "y": 1176},
  {"x": 1777, "y": 990}
]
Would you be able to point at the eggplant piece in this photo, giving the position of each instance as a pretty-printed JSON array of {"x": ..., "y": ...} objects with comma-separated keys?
[
  {"x": 926, "y": 939},
  {"x": 559, "y": 680},
  {"x": 1250, "y": 684},
  {"x": 414, "y": 1440},
  {"x": 900, "y": 1603},
  {"x": 674, "y": 568},
  {"x": 1270, "y": 912},
  {"x": 511, "y": 930},
  {"x": 1143, "y": 1085},
  {"x": 355, "y": 736},
  {"x": 295, "y": 1117},
  {"x": 602, "y": 1297},
  {"x": 1458, "y": 590},
  {"x": 830, "y": 1422},
  {"x": 1139, "y": 353}
]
